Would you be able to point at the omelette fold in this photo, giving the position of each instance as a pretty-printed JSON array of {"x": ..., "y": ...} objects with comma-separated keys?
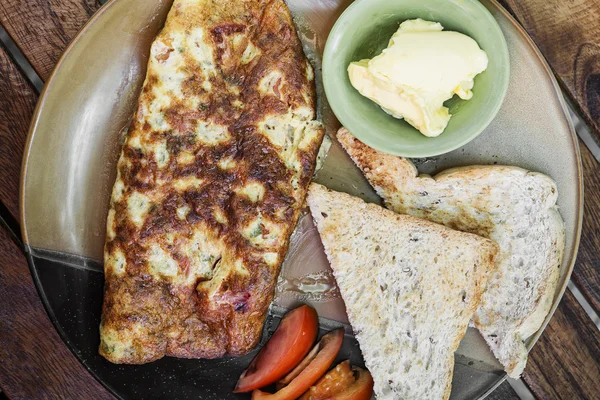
[{"x": 210, "y": 182}]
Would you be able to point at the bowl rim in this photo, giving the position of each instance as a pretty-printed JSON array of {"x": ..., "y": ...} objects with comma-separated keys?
[{"x": 501, "y": 49}]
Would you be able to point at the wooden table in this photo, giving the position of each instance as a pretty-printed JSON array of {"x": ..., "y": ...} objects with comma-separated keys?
[{"x": 34, "y": 362}]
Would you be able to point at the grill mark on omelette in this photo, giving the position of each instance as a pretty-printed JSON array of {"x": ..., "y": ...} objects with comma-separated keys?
[{"x": 193, "y": 161}]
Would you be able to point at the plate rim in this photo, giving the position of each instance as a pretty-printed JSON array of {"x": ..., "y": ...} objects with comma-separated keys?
[{"x": 48, "y": 86}]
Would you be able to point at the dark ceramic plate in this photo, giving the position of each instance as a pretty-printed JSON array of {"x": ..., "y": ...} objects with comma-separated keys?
[{"x": 69, "y": 170}]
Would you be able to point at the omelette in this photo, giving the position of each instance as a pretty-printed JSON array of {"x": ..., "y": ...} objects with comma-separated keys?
[{"x": 210, "y": 182}]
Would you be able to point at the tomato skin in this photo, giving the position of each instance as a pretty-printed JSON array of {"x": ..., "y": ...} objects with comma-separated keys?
[
  {"x": 289, "y": 344},
  {"x": 298, "y": 369},
  {"x": 329, "y": 346},
  {"x": 342, "y": 383}
]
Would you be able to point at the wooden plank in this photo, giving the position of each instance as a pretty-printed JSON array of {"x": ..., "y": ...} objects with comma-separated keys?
[
  {"x": 568, "y": 34},
  {"x": 587, "y": 270},
  {"x": 43, "y": 28},
  {"x": 564, "y": 363},
  {"x": 34, "y": 361},
  {"x": 17, "y": 101}
]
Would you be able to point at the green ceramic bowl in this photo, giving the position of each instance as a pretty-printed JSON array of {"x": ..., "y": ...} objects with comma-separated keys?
[{"x": 363, "y": 31}]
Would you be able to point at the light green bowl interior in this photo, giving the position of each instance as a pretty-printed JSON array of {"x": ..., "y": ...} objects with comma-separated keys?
[{"x": 363, "y": 31}]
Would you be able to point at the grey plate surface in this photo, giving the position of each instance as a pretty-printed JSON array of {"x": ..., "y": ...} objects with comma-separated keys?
[{"x": 73, "y": 145}]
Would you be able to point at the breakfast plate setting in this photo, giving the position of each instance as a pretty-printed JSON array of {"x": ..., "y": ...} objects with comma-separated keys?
[{"x": 301, "y": 199}]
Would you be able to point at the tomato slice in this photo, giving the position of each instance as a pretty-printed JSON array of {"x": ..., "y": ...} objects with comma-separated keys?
[
  {"x": 342, "y": 383},
  {"x": 299, "y": 368},
  {"x": 289, "y": 344},
  {"x": 327, "y": 349}
]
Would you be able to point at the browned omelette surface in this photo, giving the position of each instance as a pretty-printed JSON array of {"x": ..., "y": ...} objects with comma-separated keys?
[{"x": 211, "y": 179}]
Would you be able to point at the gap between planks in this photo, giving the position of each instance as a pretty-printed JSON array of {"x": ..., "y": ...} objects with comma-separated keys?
[{"x": 20, "y": 60}]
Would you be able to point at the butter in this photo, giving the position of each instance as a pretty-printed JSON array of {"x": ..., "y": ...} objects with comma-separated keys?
[{"x": 422, "y": 67}]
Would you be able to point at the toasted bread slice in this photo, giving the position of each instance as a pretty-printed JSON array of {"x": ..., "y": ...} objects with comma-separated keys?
[
  {"x": 410, "y": 288},
  {"x": 514, "y": 207}
]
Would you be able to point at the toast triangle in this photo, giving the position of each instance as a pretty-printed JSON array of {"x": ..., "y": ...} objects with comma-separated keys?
[{"x": 410, "y": 288}]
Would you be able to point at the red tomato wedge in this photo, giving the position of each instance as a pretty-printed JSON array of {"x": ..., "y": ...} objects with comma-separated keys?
[
  {"x": 289, "y": 344},
  {"x": 299, "y": 368},
  {"x": 327, "y": 349},
  {"x": 342, "y": 383}
]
